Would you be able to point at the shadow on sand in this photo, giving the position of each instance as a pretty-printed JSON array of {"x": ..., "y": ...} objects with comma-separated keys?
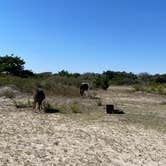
[{"x": 51, "y": 110}]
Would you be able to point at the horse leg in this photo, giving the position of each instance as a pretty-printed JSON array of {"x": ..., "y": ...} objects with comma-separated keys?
[{"x": 34, "y": 105}]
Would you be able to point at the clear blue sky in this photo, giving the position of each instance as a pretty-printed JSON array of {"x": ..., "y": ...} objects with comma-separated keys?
[{"x": 85, "y": 35}]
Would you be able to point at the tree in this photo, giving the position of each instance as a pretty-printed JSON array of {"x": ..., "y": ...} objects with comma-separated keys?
[
  {"x": 64, "y": 73},
  {"x": 144, "y": 77},
  {"x": 101, "y": 81},
  {"x": 26, "y": 73},
  {"x": 160, "y": 78},
  {"x": 11, "y": 64}
]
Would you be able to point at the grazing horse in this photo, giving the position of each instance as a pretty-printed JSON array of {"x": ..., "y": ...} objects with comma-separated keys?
[
  {"x": 38, "y": 96},
  {"x": 84, "y": 88}
]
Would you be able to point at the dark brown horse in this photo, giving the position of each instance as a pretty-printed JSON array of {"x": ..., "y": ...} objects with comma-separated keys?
[
  {"x": 38, "y": 96},
  {"x": 84, "y": 88}
]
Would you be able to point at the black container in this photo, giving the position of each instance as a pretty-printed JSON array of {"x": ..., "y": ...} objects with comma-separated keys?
[{"x": 110, "y": 109}]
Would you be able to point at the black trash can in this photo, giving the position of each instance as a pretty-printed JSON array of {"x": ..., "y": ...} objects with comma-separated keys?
[{"x": 110, "y": 109}]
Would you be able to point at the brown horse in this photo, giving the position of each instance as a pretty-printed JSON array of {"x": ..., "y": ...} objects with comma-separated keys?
[
  {"x": 38, "y": 96},
  {"x": 84, "y": 88}
]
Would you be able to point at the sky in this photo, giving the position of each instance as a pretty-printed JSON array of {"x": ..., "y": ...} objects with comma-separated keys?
[{"x": 85, "y": 35}]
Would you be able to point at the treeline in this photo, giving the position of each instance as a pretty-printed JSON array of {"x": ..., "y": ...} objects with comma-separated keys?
[{"x": 14, "y": 65}]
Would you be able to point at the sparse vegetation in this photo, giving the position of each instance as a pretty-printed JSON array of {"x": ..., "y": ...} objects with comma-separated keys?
[
  {"x": 147, "y": 120},
  {"x": 23, "y": 103},
  {"x": 8, "y": 94},
  {"x": 75, "y": 107},
  {"x": 48, "y": 108},
  {"x": 151, "y": 88},
  {"x": 81, "y": 124},
  {"x": 65, "y": 83},
  {"x": 99, "y": 102}
]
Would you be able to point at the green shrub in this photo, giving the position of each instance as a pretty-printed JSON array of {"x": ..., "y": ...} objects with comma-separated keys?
[
  {"x": 160, "y": 88},
  {"x": 150, "y": 88},
  {"x": 137, "y": 87},
  {"x": 99, "y": 102},
  {"x": 48, "y": 108},
  {"x": 75, "y": 107},
  {"x": 23, "y": 104}
]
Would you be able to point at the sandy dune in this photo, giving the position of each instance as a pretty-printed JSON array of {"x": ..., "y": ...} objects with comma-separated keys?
[{"x": 38, "y": 139}]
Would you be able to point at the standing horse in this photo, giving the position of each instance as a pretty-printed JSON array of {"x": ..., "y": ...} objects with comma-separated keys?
[
  {"x": 38, "y": 96},
  {"x": 84, "y": 89}
]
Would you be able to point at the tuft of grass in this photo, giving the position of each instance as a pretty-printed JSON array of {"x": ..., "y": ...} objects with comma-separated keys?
[
  {"x": 137, "y": 87},
  {"x": 23, "y": 104},
  {"x": 48, "y": 108},
  {"x": 75, "y": 108},
  {"x": 99, "y": 102}
]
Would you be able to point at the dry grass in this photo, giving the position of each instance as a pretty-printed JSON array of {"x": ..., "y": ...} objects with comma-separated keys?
[
  {"x": 25, "y": 103},
  {"x": 140, "y": 108}
]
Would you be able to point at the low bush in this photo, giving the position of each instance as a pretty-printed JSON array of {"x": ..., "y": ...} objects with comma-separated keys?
[
  {"x": 48, "y": 108},
  {"x": 75, "y": 108},
  {"x": 23, "y": 104},
  {"x": 150, "y": 88},
  {"x": 99, "y": 102}
]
